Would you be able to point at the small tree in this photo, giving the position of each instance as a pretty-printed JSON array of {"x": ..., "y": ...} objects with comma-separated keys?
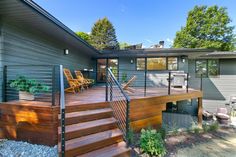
[
  {"x": 103, "y": 35},
  {"x": 206, "y": 27},
  {"x": 84, "y": 36}
]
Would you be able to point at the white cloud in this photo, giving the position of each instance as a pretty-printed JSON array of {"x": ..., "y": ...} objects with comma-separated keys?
[{"x": 89, "y": 33}]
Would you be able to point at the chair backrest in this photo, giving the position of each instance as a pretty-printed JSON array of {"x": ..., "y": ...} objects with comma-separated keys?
[
  {"x": 68, "y": 74},
  {"x": 79, "y": 75},
  {"x": 129, "y": 82}
]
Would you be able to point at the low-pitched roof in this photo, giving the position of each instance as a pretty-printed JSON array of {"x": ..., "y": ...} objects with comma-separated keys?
[{"x": 27, "y": 14}]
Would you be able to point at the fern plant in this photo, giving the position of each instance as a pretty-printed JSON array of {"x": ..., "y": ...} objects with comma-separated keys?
[{"x": 28, "y": 85}]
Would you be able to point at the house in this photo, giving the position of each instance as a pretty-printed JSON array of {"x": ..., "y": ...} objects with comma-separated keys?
[{"x": 33, "y": 43}]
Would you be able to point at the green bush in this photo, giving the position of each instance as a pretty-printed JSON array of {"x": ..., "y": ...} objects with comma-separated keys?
[
  {"x": 162, "y": 131},
  {"x": 214, "y": 127},
  {"x": 28, "y": 85},
  {"x": 151, "y": 142}
]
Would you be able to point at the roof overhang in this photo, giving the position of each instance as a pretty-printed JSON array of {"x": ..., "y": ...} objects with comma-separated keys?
[
  {"x": 219, "y": 55},
  {"x": 28, "y": 15},
  {"x": 190, "y": 53}
]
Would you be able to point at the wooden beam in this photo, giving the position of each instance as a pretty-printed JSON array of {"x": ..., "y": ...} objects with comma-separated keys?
[{"x": 200, "y": 112}]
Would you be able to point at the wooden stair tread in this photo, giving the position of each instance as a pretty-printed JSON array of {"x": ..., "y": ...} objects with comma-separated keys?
[
  {"x": 84, "y": 107},
  {"x": 91, "y": 139},
  {"x": 109, "y": 151},
  {"x": 86, "y": 113},
  {"x": 90, "y": 124}
]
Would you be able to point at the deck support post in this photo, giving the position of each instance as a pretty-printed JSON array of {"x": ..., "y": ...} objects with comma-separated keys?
[
  {"x": 199, "y": 113},
  {"x": 106, "y": 84},
  {"x": 169, "y": 82}
]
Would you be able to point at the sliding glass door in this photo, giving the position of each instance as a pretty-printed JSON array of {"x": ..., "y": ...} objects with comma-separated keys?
[{"x": 102, "y": 64}]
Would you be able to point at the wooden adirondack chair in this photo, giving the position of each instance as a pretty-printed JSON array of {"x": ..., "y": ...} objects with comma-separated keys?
[
  {"x": 126, "y": 86},
  {"x": 73, "y": 83},
  {"x": 82, "y": 80}
]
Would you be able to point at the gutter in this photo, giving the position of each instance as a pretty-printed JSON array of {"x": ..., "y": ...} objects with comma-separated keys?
[{"x": 50, "y": 17}]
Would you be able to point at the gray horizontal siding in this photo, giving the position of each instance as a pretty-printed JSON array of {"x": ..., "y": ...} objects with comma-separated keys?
[
  {"x": 25, "y": 47},
  {"x": 216, "y": 90}
]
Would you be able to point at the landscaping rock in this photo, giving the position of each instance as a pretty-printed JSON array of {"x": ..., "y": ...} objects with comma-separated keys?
[{"x": 11, "y": 148}]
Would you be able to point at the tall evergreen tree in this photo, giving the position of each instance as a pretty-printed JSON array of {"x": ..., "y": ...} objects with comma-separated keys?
[
  {"x": 206, "y": 27},
  {"x": 103, "y": 35}
]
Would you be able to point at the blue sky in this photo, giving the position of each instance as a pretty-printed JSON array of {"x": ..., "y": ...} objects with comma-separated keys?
[{"x": 135, "y": 21}]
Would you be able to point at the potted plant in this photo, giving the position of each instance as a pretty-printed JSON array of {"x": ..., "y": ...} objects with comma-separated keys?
[{"x": 27, "y": 87}]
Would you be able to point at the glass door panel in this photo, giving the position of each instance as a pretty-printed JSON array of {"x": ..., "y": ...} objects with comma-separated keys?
[
  {"x": 113, "y": 65},
  {"x": 101, "y": 70}
]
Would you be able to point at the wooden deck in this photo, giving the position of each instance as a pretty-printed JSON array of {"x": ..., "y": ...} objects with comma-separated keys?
[
  {"x": 32, "y": 121},
  {"x": 97, "y": 94}
]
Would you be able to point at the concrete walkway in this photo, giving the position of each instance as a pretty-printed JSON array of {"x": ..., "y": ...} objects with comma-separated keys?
[{"x": 222, "y": 146}]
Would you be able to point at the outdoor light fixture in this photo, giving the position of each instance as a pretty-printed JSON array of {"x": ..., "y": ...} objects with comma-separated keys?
[
  {"x": 131, "y": 61},
  {"x": 182, "y": 59},
  {"x": 66, "y": 51}
]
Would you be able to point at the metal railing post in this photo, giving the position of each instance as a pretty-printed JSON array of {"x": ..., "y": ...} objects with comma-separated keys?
[
  {"x": 111, "y": 91},
  {"x": 169, "y": 82},
  {"x": 187, "y": 82},
  {"x": 127, "y": 123},
  {"x": 145, "y": 78},
  {"x": 62, "y": 106},
  {"x": 53, "y": 84},
  {"x": 4, "y": 84},
  {"x": 106, "y": 84}
]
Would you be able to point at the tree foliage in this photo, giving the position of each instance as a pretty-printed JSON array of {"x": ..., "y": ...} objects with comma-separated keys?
[
  {"x": 84, "y": 36},
  {"x": 103, "y": 35},
  {"x": 122, "y": 45},
  {"x": 206, "y": 27}
]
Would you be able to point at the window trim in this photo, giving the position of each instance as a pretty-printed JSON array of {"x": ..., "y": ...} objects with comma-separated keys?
[{"x": 167, "y": 64}]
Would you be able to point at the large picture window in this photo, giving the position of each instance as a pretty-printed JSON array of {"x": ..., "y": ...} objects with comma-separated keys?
[
  {"x": 207, "y": 68},
  {"x": 156, "y": 63}
]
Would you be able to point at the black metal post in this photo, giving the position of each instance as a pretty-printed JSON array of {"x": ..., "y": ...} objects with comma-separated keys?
[
  {"x": 201, "y": 83},
  {"x": 106, "y": 84},
  {"x": 4, "y": 84},
  {"x": 169, "y": 82},
  {"x": 62, "y": 106},
  {"x": 145, "y": 78},
  {"x": 53, "y": 84},
  {"x": 127, "y": 123},
  {"x": 187, "y": 82}
]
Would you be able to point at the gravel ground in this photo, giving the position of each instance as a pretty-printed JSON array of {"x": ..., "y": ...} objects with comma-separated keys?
[{"x": 10, "y": 148}]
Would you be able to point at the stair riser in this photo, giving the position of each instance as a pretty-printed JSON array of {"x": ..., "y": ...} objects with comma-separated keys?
[
  {"x": 93, "y": 146},
  {"x": 85, "y": 107},
  {"x": 82, "y": 119},
  {"x": 92, "y": 130}
]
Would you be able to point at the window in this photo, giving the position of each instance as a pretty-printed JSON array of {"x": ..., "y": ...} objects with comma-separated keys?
[
  {"x": 207, "y": 68},
  {"x": 172, "y": 63},
  {"x": 213, "y": 67},
  {"x": 140, "y": 64},
  {"x": 156, "y": 63}
]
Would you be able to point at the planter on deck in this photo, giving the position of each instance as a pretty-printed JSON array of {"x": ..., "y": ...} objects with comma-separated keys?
[{"x": 26, "y": 96}]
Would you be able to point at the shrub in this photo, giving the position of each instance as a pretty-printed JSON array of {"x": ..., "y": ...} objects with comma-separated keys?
[
  {"x": 151, "y": 142},
  {"x": 28, "y": 85},
  {"x": 131, "y": 136},
  {"x": 196, "y": 130},
  {"x": 214, "y": 127}
]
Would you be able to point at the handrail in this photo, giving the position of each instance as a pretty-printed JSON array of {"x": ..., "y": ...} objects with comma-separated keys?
[
  {"x": 118, "y": 84},
  {"x": 120, "y": 107}
]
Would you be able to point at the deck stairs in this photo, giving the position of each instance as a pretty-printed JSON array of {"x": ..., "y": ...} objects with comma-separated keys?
[{"x": 92, "y": 131}]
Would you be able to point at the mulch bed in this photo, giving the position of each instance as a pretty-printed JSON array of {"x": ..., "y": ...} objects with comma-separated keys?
[{"x": 183, "y": 140}]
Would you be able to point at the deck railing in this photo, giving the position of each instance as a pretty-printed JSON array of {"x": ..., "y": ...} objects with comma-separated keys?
[
  {"x": 43, "y": 78},
  {"x": 119, "y": 102},
  {"x": 153, "y": 82}
]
